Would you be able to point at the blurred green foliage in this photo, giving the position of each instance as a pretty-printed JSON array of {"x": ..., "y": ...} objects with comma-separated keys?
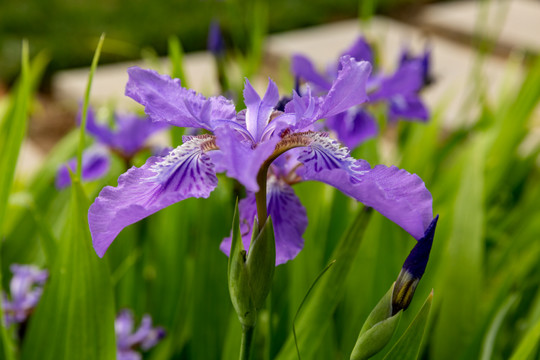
[{"x": 69, "y": 29}]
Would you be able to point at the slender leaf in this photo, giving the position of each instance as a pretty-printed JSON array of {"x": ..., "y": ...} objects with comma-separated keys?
[
  {"x": 409, "y": 344},
  {"x": 77, "y": 305}
]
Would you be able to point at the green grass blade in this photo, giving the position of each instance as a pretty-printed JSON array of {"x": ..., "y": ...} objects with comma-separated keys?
[
  {"x": 321, "y": 305},
  {"x": 86, "y": 101},
  {"x": 489, "y": 341},
  {"x": 461, "y": 282},
  {"x": 75, "y": 317},
  {"x": 529, "y": 343},
  {"x": 409, "y": 344}
]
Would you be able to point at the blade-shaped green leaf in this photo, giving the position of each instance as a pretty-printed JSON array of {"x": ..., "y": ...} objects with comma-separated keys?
[
  {"x": 312, "y": 323},
  {"x": 75, "y": 317},
  {"x": 408, "y": 345},
  {"x": 529, "y": 344},
  {"x": 461, "y": 281}
]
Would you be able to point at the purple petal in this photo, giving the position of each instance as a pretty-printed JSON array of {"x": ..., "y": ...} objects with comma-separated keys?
[
  {"x": 288, "y": 217},
  {"x": 400, "y": 196},
  {"x": 349, "y": 89},
  {"x": 101, "y": 132},
  {"x": 409, "y": 107},
  {"x": 259, "y": 111},
  {"x": 360, "y": 50},
  {"x": 123, "y": 327},
  {"x": 302, "y": 67},
  {"x": 241, "y": 159},
  {"x": 186, "y": 172},
  {"x": 165, "y": 100},
  {"x": 215, "y": 43},
  {"x": 407, "y": 79},
  {"x": 353, "y": 127},
  {"x": 95, "y": 161}
]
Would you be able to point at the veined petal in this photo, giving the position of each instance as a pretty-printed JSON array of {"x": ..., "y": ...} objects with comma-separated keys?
[
  {"x": 185, "y": 172},
  {"x": 95, "y": 164},
  {"x": 400, "y": 196},
  {"x": 289, "y": 219},
  {"x": 259, "y": 111},
  {"x": 303, "y": 67},
  {"x": 241, "y": 159},
  {"x": 324, "y": 153},
  {"x": 165, "y": 100},
  {"x": 353, "y": 126}
]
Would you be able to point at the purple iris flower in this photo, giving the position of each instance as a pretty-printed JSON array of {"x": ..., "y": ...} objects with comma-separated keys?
[
  {"x": 413, "y": 269},
  {"x": 398, "y": 90},
  {"x": 215, "y": 41},
  {"x": 127, "y": 340},
  {"x": 26, "y": 288},
  {"x": 127, "y": 138},
  {"x": 95, "y": 164},
  {"x": 248, "y": 146}
]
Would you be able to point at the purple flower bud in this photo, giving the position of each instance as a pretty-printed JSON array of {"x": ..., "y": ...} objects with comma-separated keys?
[
  {"x": 26, "y": 288},
  {"x": 216, "y": 43},
  {"x": 413, "y": 269}
]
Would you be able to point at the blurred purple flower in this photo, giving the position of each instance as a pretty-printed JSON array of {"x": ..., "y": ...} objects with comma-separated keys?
[
  {"x": 145, "y": 337},
  {"x": 26, "y": 288},
  {"x": 398, "y": 90},
  {"x": 127, "y": 138},
  {"x": 95, "y": 164},
  {"x": 250, "y": 141},
  {"x": 215, "y": 42}
]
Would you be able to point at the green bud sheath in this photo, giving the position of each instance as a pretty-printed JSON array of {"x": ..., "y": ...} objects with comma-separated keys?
[{"x": 377, "y": 330}]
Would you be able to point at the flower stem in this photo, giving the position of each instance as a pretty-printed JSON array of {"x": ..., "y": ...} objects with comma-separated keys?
[
  {"x": 247, "y": 338},
  {"x": 260, "y": 197}
]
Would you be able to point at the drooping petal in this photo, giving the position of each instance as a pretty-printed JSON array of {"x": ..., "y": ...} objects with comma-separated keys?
[
  {"x": 288, "y": 218},
  {"x": 360, "y": 50},
  {"x": 165, "y": 100},
  {"x": 407, "y": 107},
  {"x": 353, "y": 126},
  {"x": 259, "y": 111},
  {"x": 185, "y": 172},
  {"x": 241, "y": 159},
  {"x": 400, "y": 196},
  {"x": 95, "y": 164},
  {"x": 303, "y": 67}
]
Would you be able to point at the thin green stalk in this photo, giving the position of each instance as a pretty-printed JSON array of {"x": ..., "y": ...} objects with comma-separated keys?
[
  {"x": 85, "y": 105},
  {"x": 247, "y": 339}
]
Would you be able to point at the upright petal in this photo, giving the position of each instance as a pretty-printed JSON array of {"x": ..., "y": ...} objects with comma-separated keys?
[
  {"x": 101, "y": 132},
  {"x": 288, "y": 218},
  {"x": 348, "y": 90},
  {"x": 165, "y": 100},
  {"x": 400, "y": 196},
  {"x": 303, "y": 67},
  {"x": 241, "y": 159},
  {"x": 360, "y": 50},
  {"x": 185, "y": 172},
  {"x": 259, "y": 111},
  {"x": 132, "y": 132}
]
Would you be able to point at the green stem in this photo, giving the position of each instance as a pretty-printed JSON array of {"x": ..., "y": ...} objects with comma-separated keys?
[
  {"x": 247, "y": 339},
  {"x": 260, "y": 198}
]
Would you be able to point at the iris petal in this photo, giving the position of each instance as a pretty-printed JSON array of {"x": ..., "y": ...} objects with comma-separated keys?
[
  {"x": 400, "y": 196},
  {"x": 95, "y": 164},
  {"x": 185, "y": 172},
  {"x": 289, "y": 219},
  {"x": 165, "y": 100}
]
